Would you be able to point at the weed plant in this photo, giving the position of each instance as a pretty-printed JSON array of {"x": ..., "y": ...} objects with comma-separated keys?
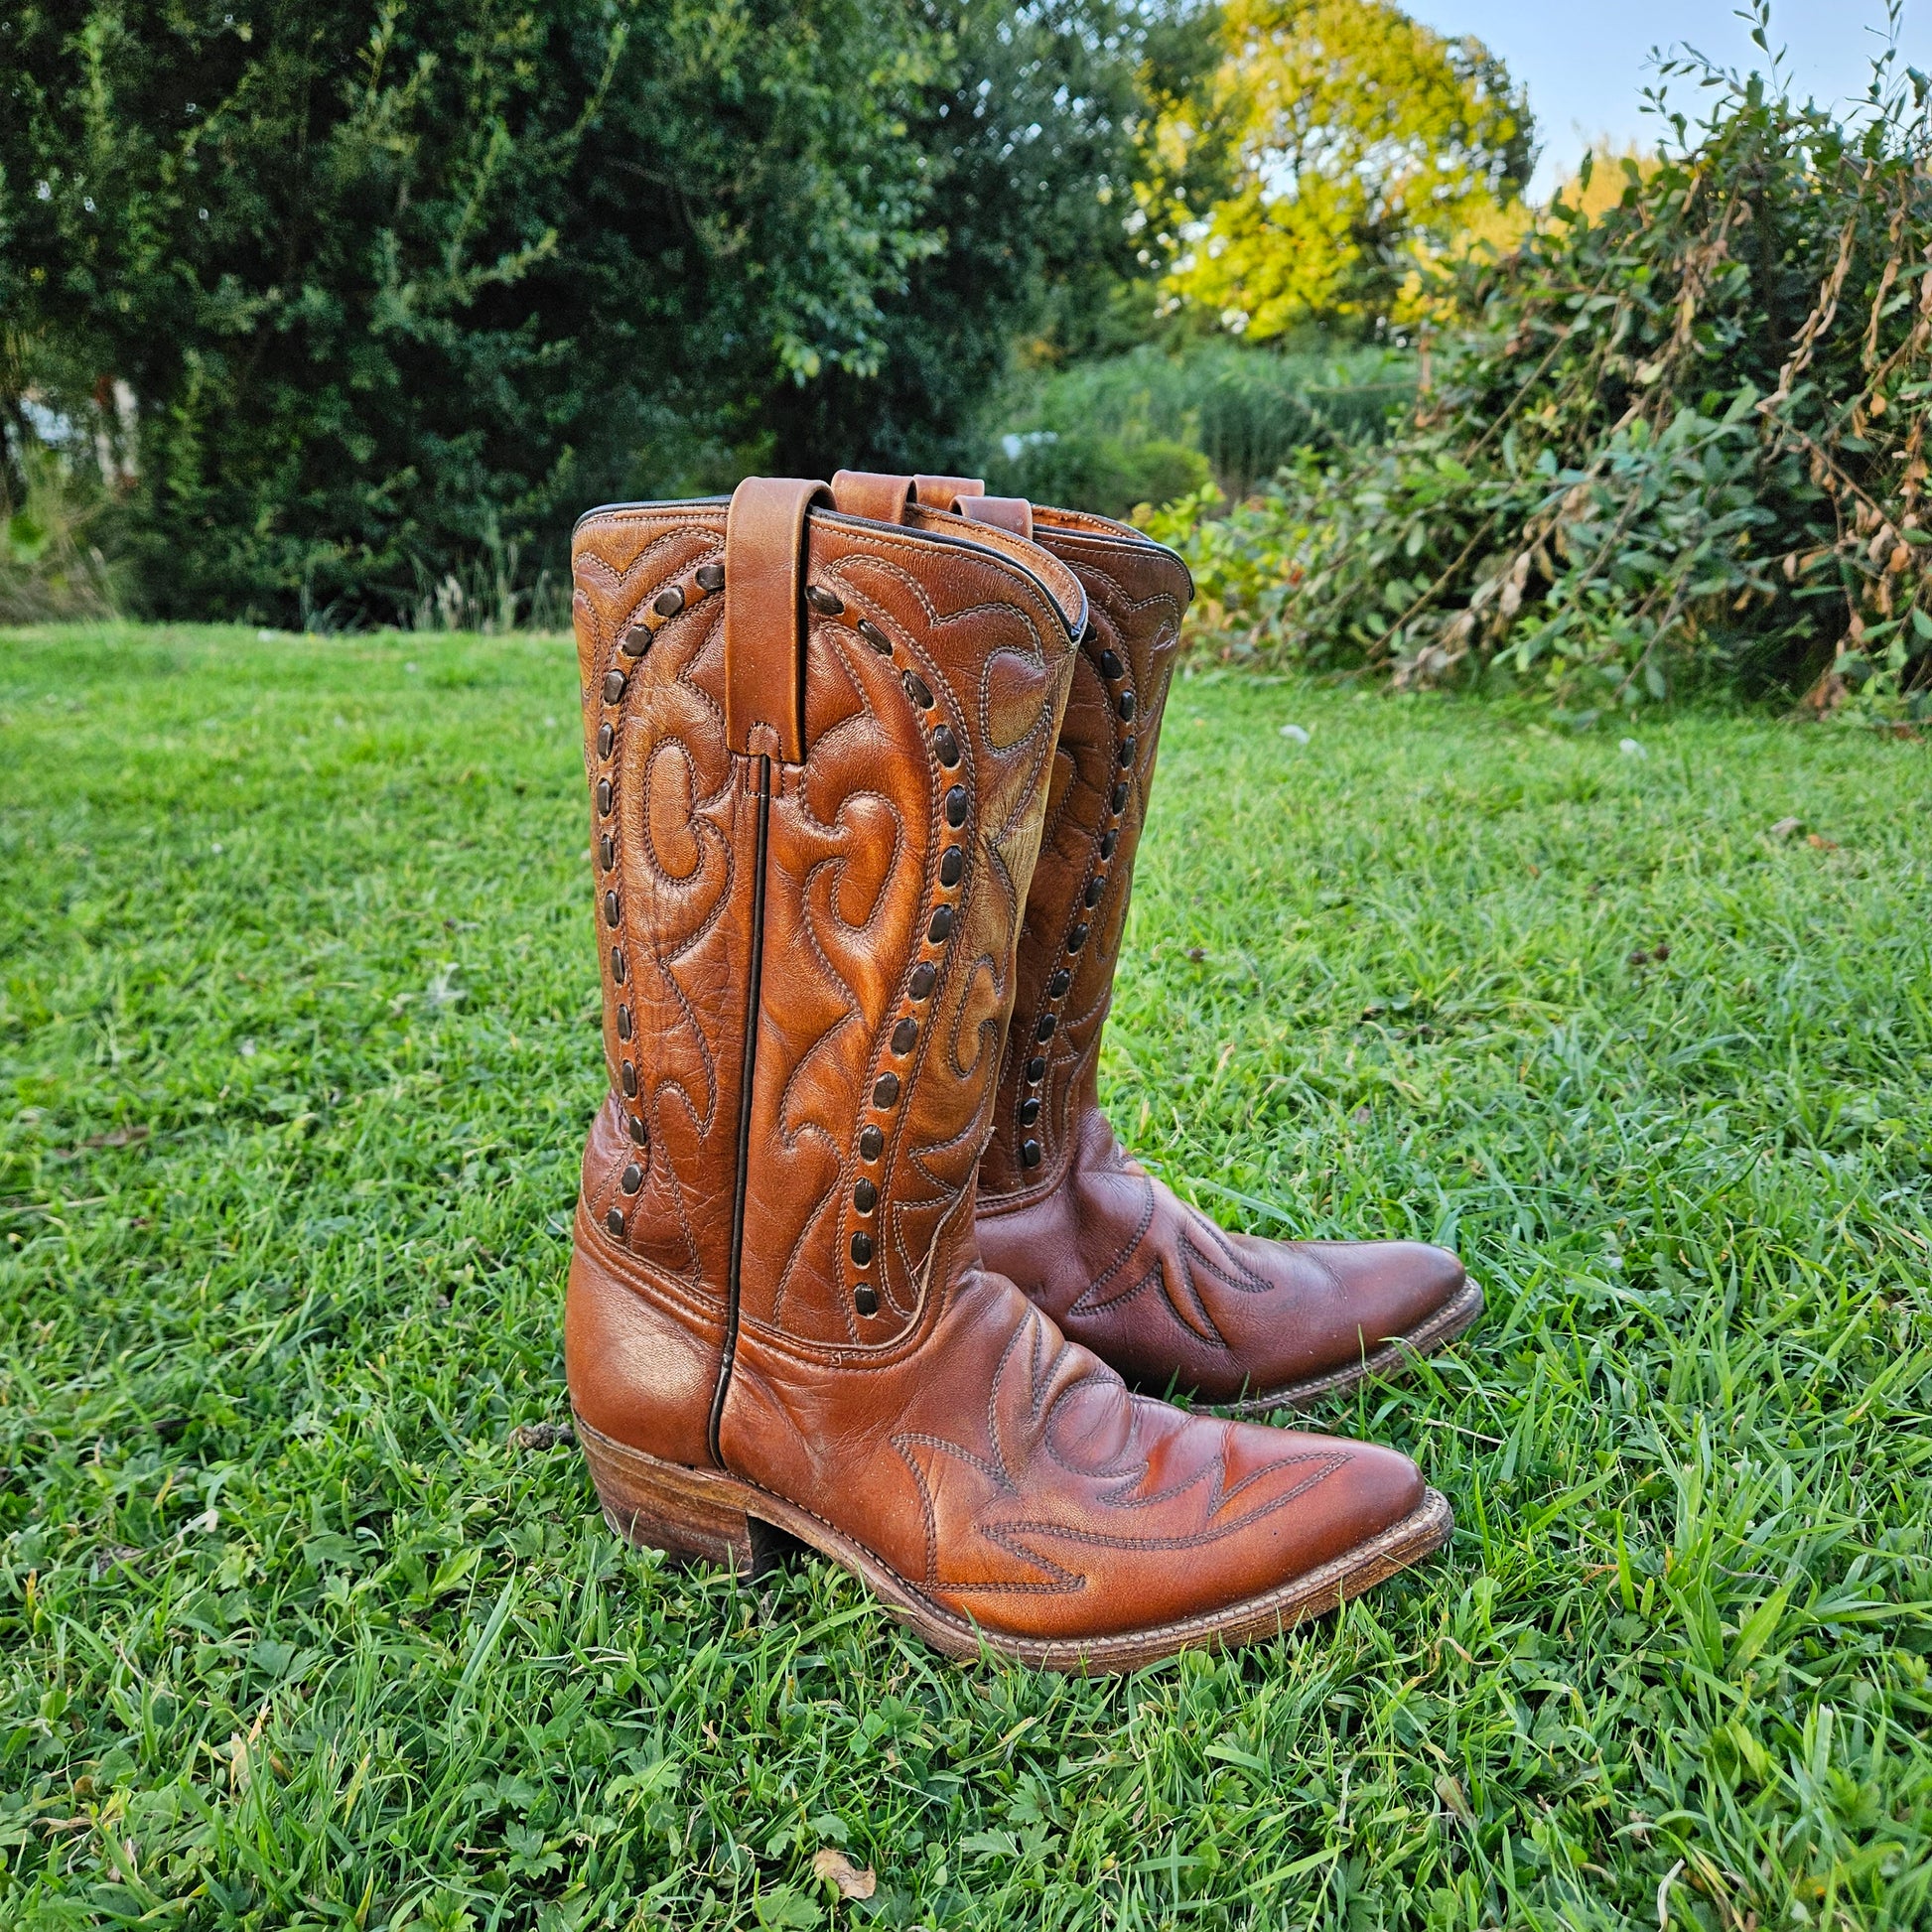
[
  {"x": 1680, "y": 443},
  {"x": 307, "y": 1616}
]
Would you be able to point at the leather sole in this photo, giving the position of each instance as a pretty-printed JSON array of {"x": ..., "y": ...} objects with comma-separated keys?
[
  {"x": 1386, "y": 1363},
  {"x": 703, "y": 1515}
]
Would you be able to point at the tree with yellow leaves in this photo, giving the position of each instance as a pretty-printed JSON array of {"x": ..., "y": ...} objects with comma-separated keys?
[{"x": 1331, "y": 152}]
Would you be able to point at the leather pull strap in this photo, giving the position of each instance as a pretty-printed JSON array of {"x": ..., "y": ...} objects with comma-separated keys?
[
  {"x": 943, "y": 493},
  {"x": 869, "y": 493},
  {"x": 764, "y": 615},
  {"x": 1013, "y": 513}
]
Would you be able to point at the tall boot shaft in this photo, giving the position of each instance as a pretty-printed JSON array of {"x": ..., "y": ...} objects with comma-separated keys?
[
  {"x": 817, "y": 751},
  {"x": 1077, "y": 912}
]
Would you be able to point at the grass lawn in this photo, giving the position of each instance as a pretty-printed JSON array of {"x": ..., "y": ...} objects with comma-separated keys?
[{"x": 298, "y": 1042}]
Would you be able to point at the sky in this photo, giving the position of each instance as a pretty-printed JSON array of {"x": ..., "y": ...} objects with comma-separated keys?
[{"x": 1587, "y": 62}]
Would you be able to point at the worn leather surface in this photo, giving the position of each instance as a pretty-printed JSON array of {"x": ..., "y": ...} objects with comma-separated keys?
[
  {"x": 1172, "y": 1300},
  {"x": 1149, "y": 1283},
  {"x": 894, "y": 1387}
]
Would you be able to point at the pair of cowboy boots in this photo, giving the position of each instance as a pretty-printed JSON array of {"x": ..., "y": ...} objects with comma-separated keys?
[{"x": 858, "y": 1261}]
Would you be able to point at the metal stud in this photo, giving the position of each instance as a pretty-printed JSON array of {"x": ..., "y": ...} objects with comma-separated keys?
[
  {"x": 667, "y": 604},
  {"x": 1126, "y": 752},
  {"x": 605, "y": 738},
  {"x": 922, "y": 978},
  {"x": 1095, "y": 886},
  {"x": 628, "y": 1080},
  {"x": 947, "y": 746},
  {"x": 865, "y": 1197},
  {"x": 885, "y": 1090},
  {"x": 1030, "y": 1110},
  {"x": 1126, "y": 706},
  {"x": 639, "y": 1130},
  {"x": 613, "y": 686},
  {"x": 1058, "y": 985},
  {"x": 1118, "y": 802},
  {"x": 1076, "y": 938},
  {"x": 1108, "y": 840},
  {"x": 612, "y": 909},
  {"x": 710, "y": 577},
  {"x": 863, "y": 1299},
  {"x": 905, "y": 1036},
  {"x": 1029, "y": 1154},
  {"x": 951, "y": 865},
  {"x": 606, "y": 851},
  {"x": 624, "y": 1026},
  {"x": 872, "y": 1144},
  {"x": 956, "y": 806},
  {"x": 613, "y": 1220},
  {"x": 941, "y": 925},
  {"x": 876, "y": 638},
  {"x": 1110, "y": 666},
  {"x": 1044, "y": 1029},
  {"x": 619, "y": 969},
  {"x": 1036, "y": 1071},
  {"x": 828, "y": 604},
  {"x": 860, "y": 1248},
  {"x": 632, "y": 1179},
  {"x": 605, "y": 795},
  {"x": 919, "y": 690},
  {"x": 636, "y": 641}
]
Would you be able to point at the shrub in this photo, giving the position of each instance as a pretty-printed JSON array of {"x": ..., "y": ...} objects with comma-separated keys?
[
  {"x": 1247, "y": 411},
  {"x": 1095, "y": 470},
  {"x": 52, "y": 568},
  {"x": 396, "y": 286},
  {"x": 1683, "y": 441}
]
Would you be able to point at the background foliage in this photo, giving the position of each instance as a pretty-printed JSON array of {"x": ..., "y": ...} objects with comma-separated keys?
[
  {"x": 393, "y": 287},
  {"x": 335, "y": 318},
  {"x": 1351, "y": 141},
  {"x": 1681, "y": 440}
]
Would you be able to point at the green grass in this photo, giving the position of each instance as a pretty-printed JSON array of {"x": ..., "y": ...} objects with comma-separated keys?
[{"x": 298, "y": 1039}]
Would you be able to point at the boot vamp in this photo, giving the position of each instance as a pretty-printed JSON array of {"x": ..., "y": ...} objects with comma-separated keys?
[
  {"x": 1008, "y": 1474},
  {"x": 1153, "y": 1286}
]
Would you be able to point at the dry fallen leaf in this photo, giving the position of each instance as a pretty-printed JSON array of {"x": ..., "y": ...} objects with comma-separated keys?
[
  {"x": 851, "y": 1880},
  {"x": 1449, "y": 1790}
]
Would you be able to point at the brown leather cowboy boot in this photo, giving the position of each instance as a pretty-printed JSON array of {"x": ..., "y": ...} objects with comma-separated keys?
[
  {"x": 818, "y": 750},
  {"x": 1149, "y": 1283}
]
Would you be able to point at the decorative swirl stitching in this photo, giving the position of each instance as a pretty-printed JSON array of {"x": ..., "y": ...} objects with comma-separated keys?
[
  {"x": 1076, "y": 928},
  {"x": 633, "y": 640},
  {"x": 857, "y": 1247},
  {"x": 1117, "y": 1485},
  {"x": 1111, "y": 619}
]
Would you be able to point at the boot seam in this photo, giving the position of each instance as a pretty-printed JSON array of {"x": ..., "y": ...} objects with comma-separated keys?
[
  {"x": 746, "y": 1091},
  {"x": 630, "y": 1272}
]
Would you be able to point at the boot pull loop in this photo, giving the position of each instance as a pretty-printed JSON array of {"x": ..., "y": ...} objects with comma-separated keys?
[
  {"x": 886, "y": 497},
  {"x": 873, "y": 493},
  {"x": 1013, "y": 513},
  {"x": 764, "y": 615},
  {"x": 945, "y": 492}
]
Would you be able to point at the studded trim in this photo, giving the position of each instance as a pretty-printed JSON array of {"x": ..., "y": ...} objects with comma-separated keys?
[
  {"x": 904, "y": 1029},
  {"x": 663, "y": 607},
  {"x": 1042, "y": 1023}
]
